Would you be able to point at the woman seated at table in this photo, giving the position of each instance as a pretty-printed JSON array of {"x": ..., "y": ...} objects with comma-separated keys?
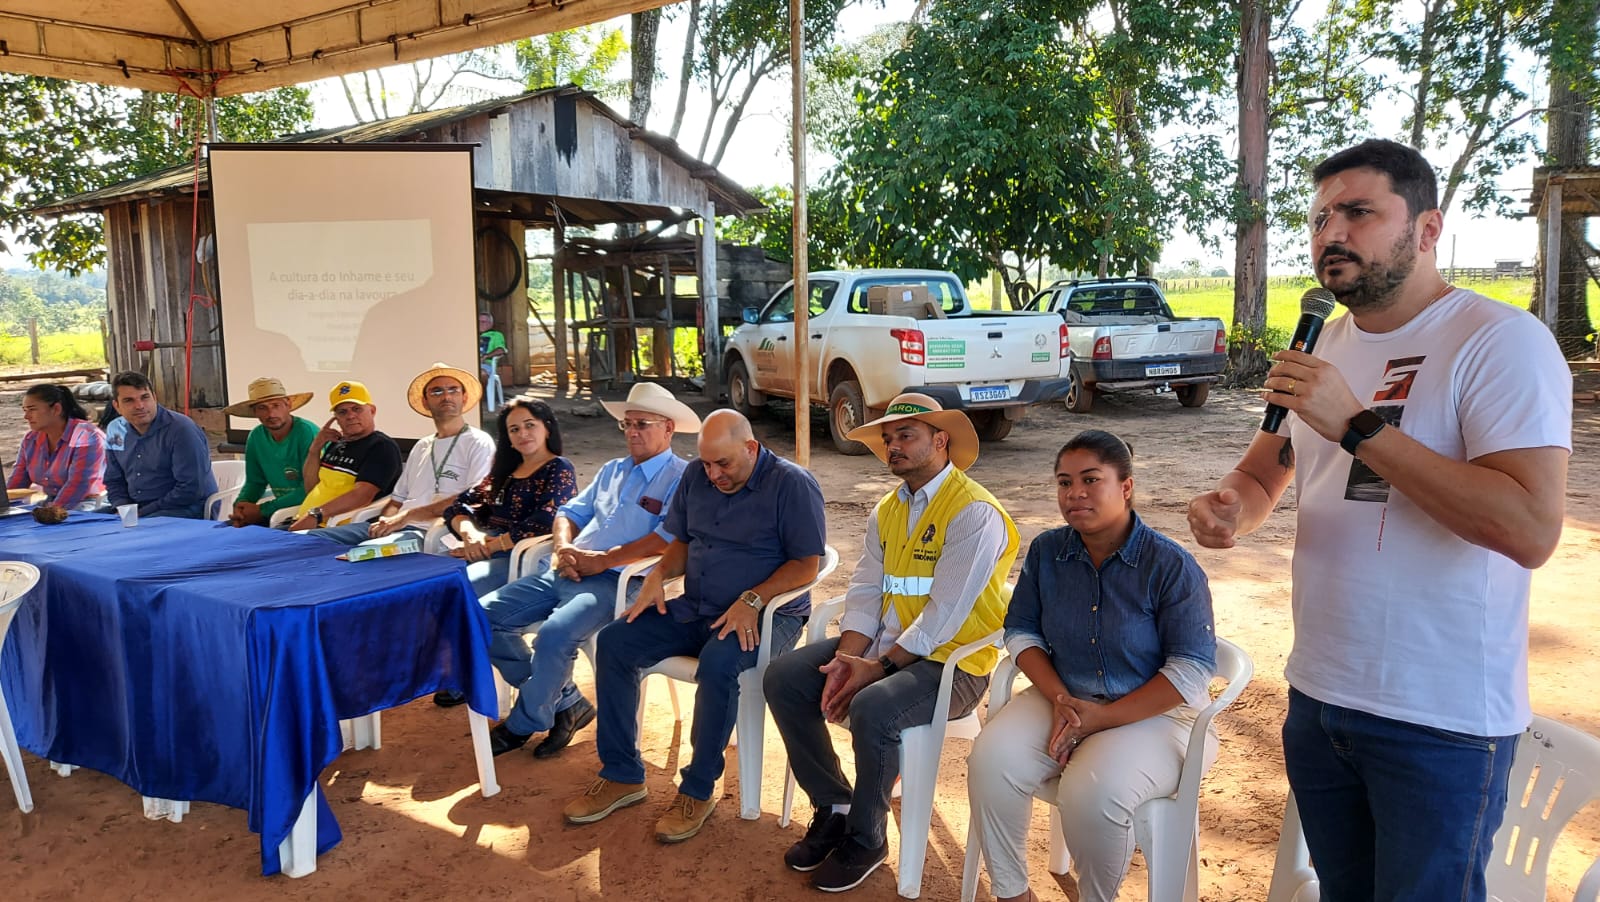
[
  {"x": 1111, "y": 622},
  {"x": 63, "y": 453},
  {"x": 528, "y": 481}
]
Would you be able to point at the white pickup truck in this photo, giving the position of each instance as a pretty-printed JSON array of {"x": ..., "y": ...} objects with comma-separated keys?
[
  {"x": 992, "y": 364},
  {"x": 1124, "y": 336}
]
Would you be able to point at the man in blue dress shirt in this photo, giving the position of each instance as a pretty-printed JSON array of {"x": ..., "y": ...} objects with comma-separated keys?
[
  {"x": 747, "y": 526},
  {"x": 613, "y": 522},
  {"x": 155, "y": 458}
]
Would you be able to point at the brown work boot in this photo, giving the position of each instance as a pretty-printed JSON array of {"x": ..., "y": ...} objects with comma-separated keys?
[
  {"x": 685, "y": 818},
  {"x": 600, "y": 799}
]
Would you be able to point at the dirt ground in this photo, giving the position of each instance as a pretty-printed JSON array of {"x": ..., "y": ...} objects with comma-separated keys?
[{"x": 416, "y": 828}]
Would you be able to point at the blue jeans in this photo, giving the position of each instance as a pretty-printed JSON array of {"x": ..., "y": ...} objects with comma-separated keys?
[
  {"x": 1393, "y": 810},
  {"x": 628, "y": 649},
  {"x": 571, "y": 612}
]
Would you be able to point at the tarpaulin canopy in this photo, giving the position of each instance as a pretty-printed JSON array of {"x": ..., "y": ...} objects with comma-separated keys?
[{"x": 165, "y": 45}]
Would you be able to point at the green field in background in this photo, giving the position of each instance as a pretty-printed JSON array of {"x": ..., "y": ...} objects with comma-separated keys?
[{"x": 71, "y": 348}]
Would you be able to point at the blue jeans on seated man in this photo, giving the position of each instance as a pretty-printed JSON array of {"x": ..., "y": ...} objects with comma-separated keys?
[
  {"x": 571, "y": 612},
  {"x": 1393, "y": 810},
  {"x": 626, "y": 650}
]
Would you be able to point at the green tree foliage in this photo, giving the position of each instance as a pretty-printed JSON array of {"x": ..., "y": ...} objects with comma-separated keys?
[
  {"x": 60, "y": 138},
  {"x": 772, "y": 229},
  {"x": 586, "y": 57},
  {"x": 59, "y": 304},
  {"x": 997, "y": 136}
]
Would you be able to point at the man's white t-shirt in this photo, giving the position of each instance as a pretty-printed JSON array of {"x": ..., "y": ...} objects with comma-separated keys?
[
  {"x": 444, "y": 466},
  {"x": 1395, "y": 615}
]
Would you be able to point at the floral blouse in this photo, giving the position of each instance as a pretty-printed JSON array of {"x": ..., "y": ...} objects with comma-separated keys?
[{"x": 525, "y": 508}]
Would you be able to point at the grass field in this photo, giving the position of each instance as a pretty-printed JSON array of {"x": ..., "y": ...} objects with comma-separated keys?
[{"x": 72, "y": 348}]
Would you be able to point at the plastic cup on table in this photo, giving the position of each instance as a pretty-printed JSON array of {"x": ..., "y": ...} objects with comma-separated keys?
[{"x": 129, "y": 514}]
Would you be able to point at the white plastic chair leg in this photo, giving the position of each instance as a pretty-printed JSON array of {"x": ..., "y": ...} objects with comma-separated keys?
[
  {"x": 1168, "y": 841},
  {"x": 969, "y": 865},
  {"x": 1060, "y": 855},
  {"x": 482, "y": 753},
  {"x": 297, "y": 854},
  {"x": 919, "y": 773},
  {"x": 787, "y": 811},
  {"x": 63, "y": 770},
  {"x": 165, "y": 809},
  {"x": 12, "y": 753},
  {"x": 1293, "y": 879},
  {"x": 750, "y": 731},
  {"x": 363, "y": 732},
  {"x": 505, "y": 695}
]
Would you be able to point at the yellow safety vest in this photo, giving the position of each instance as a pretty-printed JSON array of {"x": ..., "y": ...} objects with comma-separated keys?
[{"x": 908, "y": 565}]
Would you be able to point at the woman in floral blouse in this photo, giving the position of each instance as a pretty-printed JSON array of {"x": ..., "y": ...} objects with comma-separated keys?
[{"x": 527, "y": 483}]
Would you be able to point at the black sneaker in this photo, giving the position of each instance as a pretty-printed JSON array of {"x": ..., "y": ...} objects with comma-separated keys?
[
  {"x": 502, "y": 740},
  {"x": 449, "y": 698},
  {"x": 568, "y": 721},
  {"x": 849, "y": 864},
  {"x": 823, "y": 836}
]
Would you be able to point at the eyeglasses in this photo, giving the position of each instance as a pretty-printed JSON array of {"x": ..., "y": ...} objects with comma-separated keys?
[
  {"x": 640, "y": 425},
  {"x": 442, "y": 391}
]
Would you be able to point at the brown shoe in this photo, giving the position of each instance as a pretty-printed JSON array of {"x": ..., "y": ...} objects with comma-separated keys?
[
  {"x": 602, "y": 798},
  {"x": 685, "y": 818}
]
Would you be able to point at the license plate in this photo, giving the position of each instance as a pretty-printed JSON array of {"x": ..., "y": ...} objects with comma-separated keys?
[
  {"x": 991, "y": 393},
  {"x": 1165, "y": 369}
]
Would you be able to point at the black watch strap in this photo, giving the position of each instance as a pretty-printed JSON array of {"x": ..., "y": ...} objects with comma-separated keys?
[
  {"x": 888, "y": 665},
  {"x": 1363, "y": 426}
]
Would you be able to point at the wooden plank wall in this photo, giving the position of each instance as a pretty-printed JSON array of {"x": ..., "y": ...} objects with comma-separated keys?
[{"x": 148, "y": 249}]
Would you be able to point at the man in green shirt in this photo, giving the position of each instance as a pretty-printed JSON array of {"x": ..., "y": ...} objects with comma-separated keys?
[
  {"x": 273, "y": 453},
  {"x": 491, "y": 345}
]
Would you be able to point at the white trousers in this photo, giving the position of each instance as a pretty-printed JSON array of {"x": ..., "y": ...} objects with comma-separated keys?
[{"x": 1105, "y": 780}]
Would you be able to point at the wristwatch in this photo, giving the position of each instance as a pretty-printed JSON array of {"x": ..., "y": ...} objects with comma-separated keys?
[
  {"x": 316, "y": 513},
  {"x": 750, "y": 598},
  {"x": 888, "y": 665},
  {"x": 1363, "y": 426}
]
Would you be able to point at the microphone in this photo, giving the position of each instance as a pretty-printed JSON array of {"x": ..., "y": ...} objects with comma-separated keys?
[{"x": 1315, "y": 306}]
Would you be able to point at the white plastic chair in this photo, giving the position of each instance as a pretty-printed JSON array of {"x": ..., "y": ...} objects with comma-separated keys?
[
  {"x": 751, "y": 724},
  {"x": 229, "y": 475},
  {"x": 920, "y": 748},
  {"x": 1167, "y": 829},
  {"x": 17, "y": 579},
  {"x": 1555, "y": 775},
  {"x": 359, "y": 515},
  {"x": 494, "y": 395}
]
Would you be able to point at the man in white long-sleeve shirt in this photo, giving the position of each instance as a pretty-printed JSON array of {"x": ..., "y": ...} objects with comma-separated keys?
[{"x": 931, "y": 578}]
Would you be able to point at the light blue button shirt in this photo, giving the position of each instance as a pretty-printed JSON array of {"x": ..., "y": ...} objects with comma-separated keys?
[{"x": 625, "y": 502}]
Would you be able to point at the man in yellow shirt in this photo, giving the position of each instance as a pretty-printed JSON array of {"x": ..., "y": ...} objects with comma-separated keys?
[
  {"x": 350, "y": 464},
  {"x": 931, "y": 578}
]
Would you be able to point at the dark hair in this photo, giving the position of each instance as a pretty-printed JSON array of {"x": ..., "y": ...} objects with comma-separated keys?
[
  {"x": 51, "y": 393},
  {"x": 130, "y": 379},
  {"x": 1110, "y": 449},
  {"x": 506, "y": 457},
  {"x": 1409, "y": 174}
]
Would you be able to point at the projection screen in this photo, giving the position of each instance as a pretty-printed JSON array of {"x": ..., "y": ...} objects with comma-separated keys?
[{"x": 344, "y": 262}]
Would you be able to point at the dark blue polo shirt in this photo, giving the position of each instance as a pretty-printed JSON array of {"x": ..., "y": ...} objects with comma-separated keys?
[{"x": 737, "y": 541}]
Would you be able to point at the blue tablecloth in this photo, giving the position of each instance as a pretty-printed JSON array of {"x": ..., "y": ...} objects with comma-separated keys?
[{"x": 197, "y": 662}]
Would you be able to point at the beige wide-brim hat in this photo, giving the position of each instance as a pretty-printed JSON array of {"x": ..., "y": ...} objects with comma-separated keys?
[
  {"x": 652, "y": 398},
  {"x": 918, "y": 406},
  {"x": 265, "y": 389},
  {"x": 469, "y": 385}
]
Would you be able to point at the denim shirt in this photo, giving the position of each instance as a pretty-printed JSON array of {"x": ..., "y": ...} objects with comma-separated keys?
[
  {"x": 1110, "y": 631},
  {"x": 625, "y": 502},
  {"x": 166, "y": 471}
]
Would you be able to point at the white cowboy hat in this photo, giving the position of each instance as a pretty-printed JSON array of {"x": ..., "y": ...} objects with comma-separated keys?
[
  {"x": 918, "y": 406},
  {"x": 652, "y": 398},
  {"x": 469, "y": 384},
  {"x": 265, "y": 389}
]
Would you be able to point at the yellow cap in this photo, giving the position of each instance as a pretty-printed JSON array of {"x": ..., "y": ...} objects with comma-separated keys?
[{"x": 348, "y": 391}]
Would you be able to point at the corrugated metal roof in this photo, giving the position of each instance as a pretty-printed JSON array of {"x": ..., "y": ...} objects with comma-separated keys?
[
  {"x": 729, "y": 196},
  {"x": 1580, "y": 194}
]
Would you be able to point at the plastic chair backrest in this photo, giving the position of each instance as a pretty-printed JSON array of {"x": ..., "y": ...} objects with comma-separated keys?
[
  {"x": 229, "y": 474},
  {"x": 17, "y": 579},
  {"x": 1556, "y": 774}
]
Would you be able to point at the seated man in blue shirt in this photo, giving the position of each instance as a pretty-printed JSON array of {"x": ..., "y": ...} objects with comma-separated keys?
[
  {"x": 748, "y": 526},
  {"x": 155, "y": 458},
  {"x": 613, "y": 522}
]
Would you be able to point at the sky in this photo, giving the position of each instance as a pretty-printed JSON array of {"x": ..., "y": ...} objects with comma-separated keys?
[{"x": 759, "y": 155}]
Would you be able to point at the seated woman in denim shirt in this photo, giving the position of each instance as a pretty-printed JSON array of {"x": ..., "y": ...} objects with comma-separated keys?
[
  {"x": 1111, "y": 621},
  {"x": 527, "y": 482}
]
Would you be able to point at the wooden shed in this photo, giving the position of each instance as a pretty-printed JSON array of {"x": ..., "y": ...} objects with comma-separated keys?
[{"x": 546, "y": 159}]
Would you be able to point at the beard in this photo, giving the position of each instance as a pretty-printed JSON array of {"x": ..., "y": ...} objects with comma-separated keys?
[{"x": 1378, "y": 281}]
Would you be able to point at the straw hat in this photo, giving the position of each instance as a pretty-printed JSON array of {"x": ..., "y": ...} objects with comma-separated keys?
[
  {"x": 469, "y": 384},
  {"x": 265, "y": 389},
  {"x": 918, "y": 406},
  {"x": 652, "y": 398}
]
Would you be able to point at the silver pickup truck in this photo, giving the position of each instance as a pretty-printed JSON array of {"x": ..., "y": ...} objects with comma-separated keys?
[{"x": 1124, "y": 336}]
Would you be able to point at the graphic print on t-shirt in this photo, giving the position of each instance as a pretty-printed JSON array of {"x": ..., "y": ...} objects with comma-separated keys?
[{"x": 1398, "y": 377}]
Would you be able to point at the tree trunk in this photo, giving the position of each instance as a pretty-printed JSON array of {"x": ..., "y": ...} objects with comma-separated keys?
[
  {"x": 686, "y": 72},
  {"x": 1568, "y": 145},
  {"x": 645, "y": 27},
  {"x": 1247, "y": 360}
]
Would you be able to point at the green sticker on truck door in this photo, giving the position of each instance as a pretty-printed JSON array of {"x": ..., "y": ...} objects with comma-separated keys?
[{"x": 947, "y": 354}]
